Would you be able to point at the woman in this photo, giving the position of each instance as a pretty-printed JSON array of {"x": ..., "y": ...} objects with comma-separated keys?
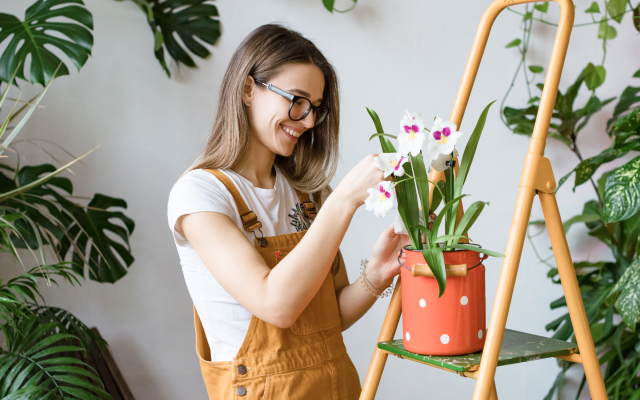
[{"x": 245, "y": 206}]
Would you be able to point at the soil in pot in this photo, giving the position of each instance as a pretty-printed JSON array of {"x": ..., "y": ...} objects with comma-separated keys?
[{"x": 454, "y": 324}]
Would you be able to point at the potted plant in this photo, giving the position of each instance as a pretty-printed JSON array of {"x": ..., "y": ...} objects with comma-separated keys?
[{"x": 435, "y": 322}]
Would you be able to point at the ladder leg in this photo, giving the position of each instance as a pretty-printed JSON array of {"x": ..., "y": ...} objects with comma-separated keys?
[
  {"x": 389, "y": 327},
  {"x": 500, "y": 311},
  {"x": 573, "y": 296},
  {"x": 494, "y": 391}
]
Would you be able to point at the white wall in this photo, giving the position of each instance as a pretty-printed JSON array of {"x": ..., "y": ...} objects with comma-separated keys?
[{"x": 389, "y": 56}]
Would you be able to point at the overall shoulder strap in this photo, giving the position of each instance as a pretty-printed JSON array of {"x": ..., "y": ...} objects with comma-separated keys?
[
  {"x": 309, "y": 206},
  {"x": 249, "y": 218}
]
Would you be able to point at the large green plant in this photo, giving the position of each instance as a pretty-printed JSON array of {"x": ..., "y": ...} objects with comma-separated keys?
[
  {"x": 38, "y": 213},
  {"x": 610, "y": 289}
]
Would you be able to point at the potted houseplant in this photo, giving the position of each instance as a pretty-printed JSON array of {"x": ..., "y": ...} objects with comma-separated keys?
[{"x": 435, "y": 321}]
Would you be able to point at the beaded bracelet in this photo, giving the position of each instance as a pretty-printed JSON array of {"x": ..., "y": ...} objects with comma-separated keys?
[{"x": 368, "y": 286}]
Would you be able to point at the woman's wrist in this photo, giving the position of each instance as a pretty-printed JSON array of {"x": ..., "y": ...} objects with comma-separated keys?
[{"x": 377, "y": 277}]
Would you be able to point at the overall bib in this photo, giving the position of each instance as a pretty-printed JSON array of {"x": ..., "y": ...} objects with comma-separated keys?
[{"x": 307, "y": 361}]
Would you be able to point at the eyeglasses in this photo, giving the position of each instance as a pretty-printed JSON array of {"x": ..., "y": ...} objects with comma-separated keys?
[{"x": 300, "y": 106}]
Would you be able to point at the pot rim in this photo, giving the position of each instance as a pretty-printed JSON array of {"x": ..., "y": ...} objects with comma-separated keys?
[{"x": 448, "y": 251}]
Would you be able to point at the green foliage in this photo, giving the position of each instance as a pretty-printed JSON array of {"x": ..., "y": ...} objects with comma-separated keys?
[
  {"x": 608, "y": 288},
  {"x": 329, "y": 5},
  {"x": 35, "y": 213},
  {"x": 34, "y": 32},
  {"x": 187, "y": 19},
  {"x": 566, "y": 122}
]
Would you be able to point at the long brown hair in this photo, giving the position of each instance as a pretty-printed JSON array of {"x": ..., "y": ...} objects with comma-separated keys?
[{"x": 262, "y": 55}]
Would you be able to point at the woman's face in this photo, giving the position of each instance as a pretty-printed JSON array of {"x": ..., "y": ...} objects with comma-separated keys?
[{"x": 268, "y": 111}]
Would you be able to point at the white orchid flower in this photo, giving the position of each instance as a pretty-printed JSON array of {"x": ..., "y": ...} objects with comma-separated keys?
[
  {"x": 439, "y": 164},
  {"x": 442, "y": 138},
  {"x": 412, "y": 136},
  {"x": 390, "y": 163},
  {"x": 381, "y": 200}
]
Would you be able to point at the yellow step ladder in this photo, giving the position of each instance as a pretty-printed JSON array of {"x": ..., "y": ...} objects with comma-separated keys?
[{"x": 503, "y": 346}]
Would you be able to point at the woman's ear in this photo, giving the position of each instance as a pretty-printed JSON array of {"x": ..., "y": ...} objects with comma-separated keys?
[{"x": 249, "y": 87}]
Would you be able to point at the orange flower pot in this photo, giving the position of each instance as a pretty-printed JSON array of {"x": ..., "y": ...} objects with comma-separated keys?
[{"x": 453, "y": 324}]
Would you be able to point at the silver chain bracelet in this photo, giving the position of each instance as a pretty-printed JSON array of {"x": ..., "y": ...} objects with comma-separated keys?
[{"x": 368, "y": 286}]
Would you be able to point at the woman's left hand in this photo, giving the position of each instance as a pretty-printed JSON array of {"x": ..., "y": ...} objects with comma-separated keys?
[{"x": 383, "y": 266}]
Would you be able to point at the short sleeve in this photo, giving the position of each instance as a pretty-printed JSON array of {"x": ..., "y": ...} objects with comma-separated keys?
[{"x": 197, "y": 191}]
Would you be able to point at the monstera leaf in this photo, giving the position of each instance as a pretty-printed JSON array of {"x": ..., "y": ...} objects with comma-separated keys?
[
  {"x": 89, "y": 230},
  {"x": 188, "y": 19},
  {"x": 30, "y": 36},
  {"x": 42, "y": 215}
]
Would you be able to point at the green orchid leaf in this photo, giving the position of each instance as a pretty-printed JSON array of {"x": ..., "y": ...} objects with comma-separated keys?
[
  {"x": 636, "y": 24},
  {"x": 382, "y": 134},
  {"x": 193, "y": 21},
  {"x": 616, "y": 9},
  {"x": 470, "y": 150},
  {"x": 422, "y": 183},
  {"x": 606, "y": 31},
  {"x": 443, "y": 212},
  {"x": 622, "y": 192},
  {"x": 435, "y": 260},
  {"x": 474, "y": 248},
  {"x": 385, "y": 143},
  {"x": 536, "y": 69},
  {"x": 593, "y": 9},
  {"x": 444, "y": 238},
  {"x": 438, "y": 190},
  {"x": 626, "y": 295},
  {"x": 513, "y": 43},
  {"x": 34, "y": 37},
  {"x": 594, "y": 76},
  {"x": 469, "y": 218}
]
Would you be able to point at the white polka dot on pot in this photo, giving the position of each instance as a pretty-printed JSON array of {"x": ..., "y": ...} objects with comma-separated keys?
[
  {"x": 408, "y": 336},
  {"x": 480, "y": 334},
  {"x": 423, "y": 303},
  {"x": 464, "y": 300},
  {"x": 444, "y": 339}
]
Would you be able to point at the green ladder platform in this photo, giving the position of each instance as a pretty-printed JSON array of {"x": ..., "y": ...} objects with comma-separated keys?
[{"x": 517, "y": 347}]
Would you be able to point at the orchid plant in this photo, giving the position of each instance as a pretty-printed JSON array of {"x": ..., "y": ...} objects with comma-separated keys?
[{"x": 409, "y": 186}]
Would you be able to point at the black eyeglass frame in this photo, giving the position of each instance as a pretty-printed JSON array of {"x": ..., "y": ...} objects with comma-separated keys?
[{"x": 293, "y": 99}]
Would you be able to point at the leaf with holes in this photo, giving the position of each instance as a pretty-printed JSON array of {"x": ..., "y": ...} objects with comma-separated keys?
[
  {"x": 191, "y": 20},
  {"x": 622, "y": 192},
  {"x": 626, "y": 295},
  {"x": 107, "y": 258},
  {"x": 35, "y": 34}
]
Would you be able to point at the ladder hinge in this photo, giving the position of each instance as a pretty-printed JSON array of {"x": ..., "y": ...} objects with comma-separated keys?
[{"x": 538, "y": 174}]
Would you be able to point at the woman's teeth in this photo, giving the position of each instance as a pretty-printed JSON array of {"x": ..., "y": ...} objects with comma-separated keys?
[{"x": 291, "y": 132}]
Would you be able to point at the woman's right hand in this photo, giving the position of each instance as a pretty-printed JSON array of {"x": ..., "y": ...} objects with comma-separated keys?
[{"x": 365, "y": 175}]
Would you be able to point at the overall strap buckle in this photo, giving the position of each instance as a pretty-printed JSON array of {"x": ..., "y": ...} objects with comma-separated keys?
[
  {"x": 250, "y": 223},
  {"x": 310, "y": 209}
]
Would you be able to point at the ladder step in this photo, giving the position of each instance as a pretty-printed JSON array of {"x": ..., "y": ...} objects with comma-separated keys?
[{"x": 517, "y": 347}]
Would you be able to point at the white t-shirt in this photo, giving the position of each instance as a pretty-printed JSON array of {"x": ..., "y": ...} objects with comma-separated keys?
[{"x": 224, "y": 320}]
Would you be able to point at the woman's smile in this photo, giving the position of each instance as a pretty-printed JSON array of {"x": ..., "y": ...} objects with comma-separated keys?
[{"x": 291, "y": 133}]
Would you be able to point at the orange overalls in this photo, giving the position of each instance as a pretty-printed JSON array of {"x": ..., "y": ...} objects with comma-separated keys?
[{"x": 307, "y": 361}]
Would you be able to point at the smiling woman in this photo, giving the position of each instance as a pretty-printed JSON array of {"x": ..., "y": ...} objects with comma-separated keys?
[{"x": 260, "y": 256}]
